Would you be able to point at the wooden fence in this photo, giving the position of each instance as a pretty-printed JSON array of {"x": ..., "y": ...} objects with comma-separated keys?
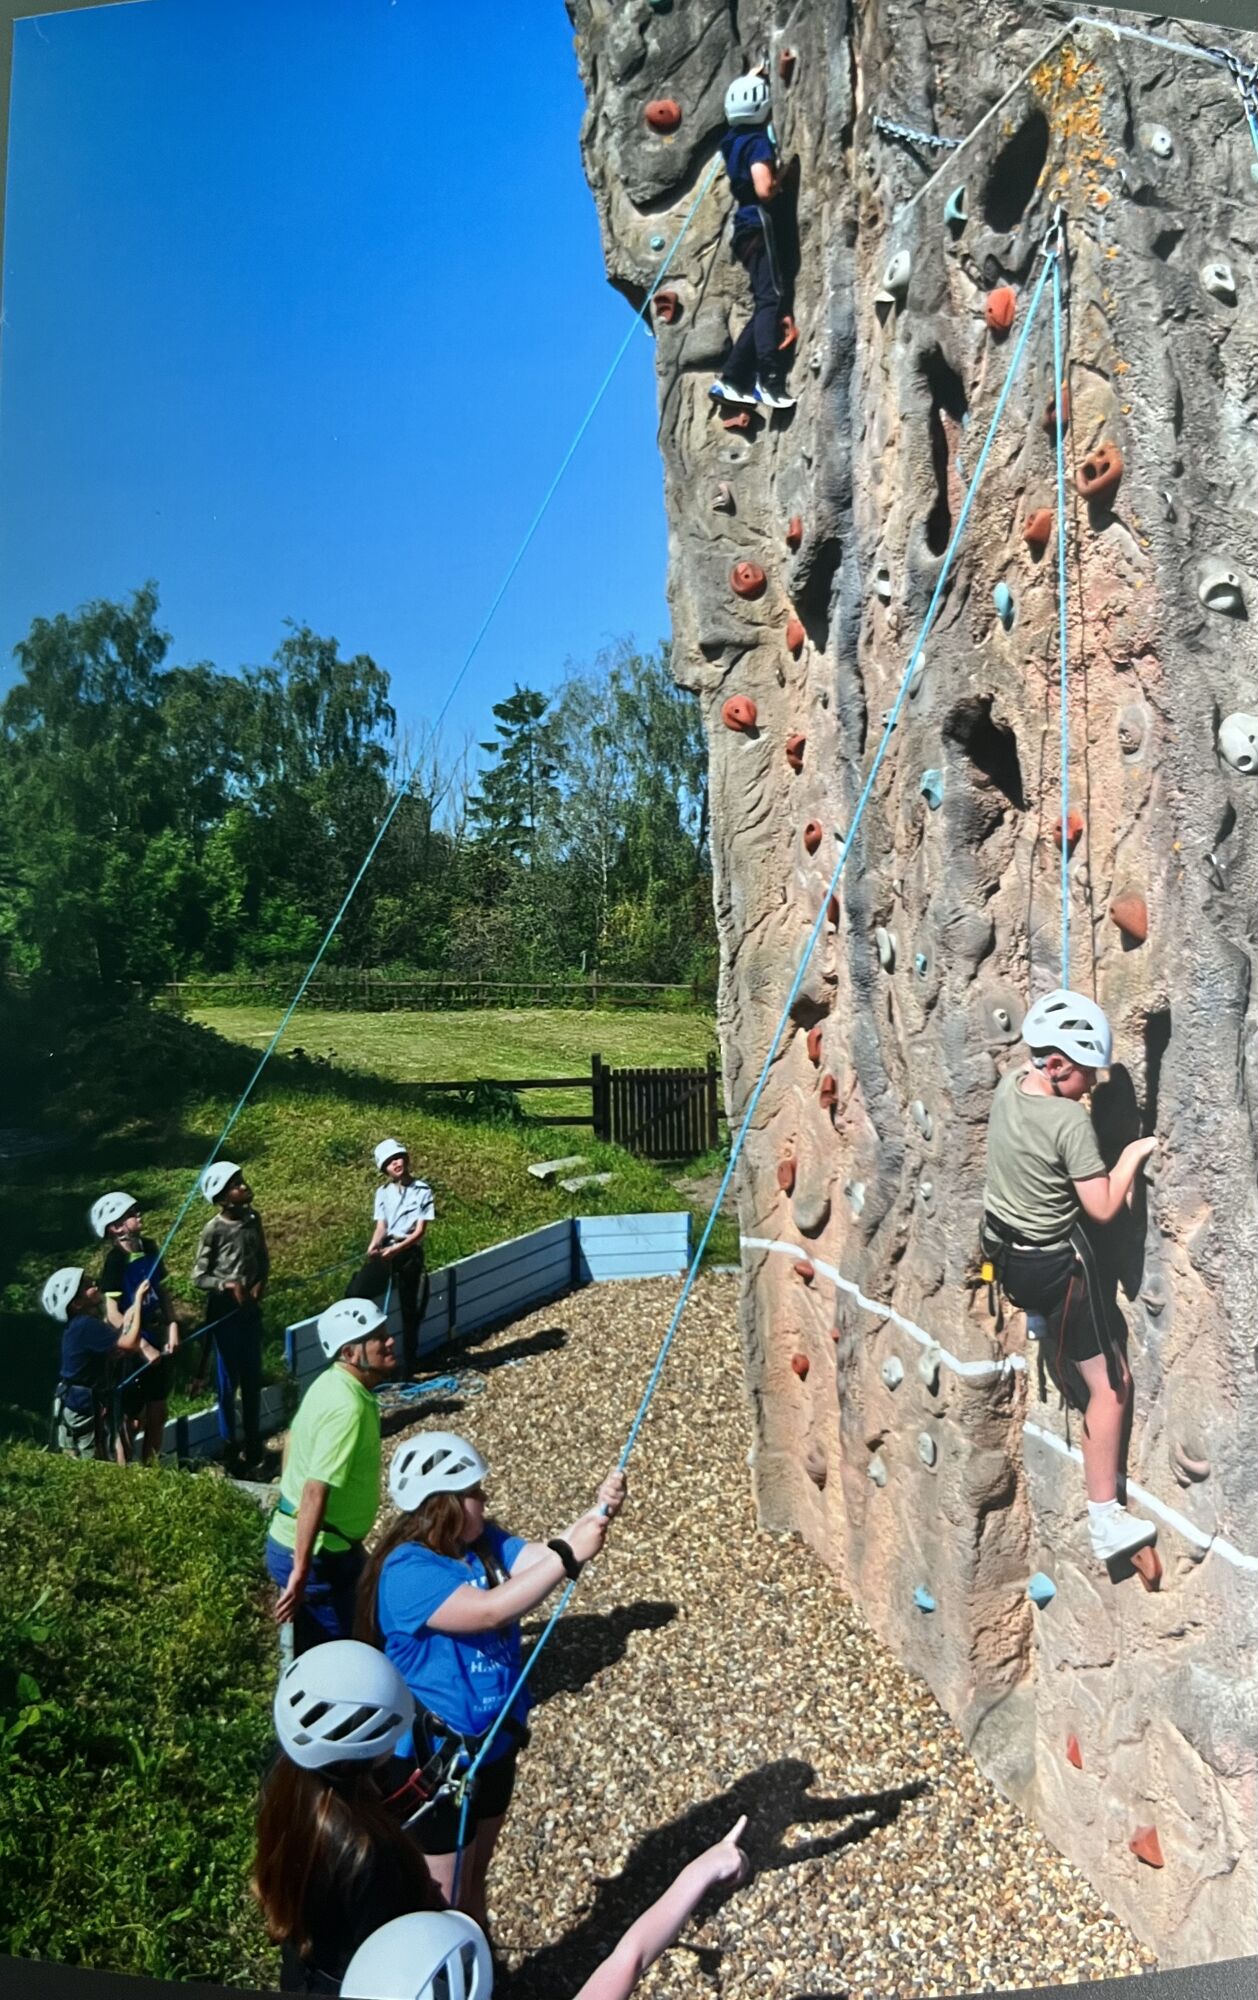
[
  {"x": 368, "y": 992},
  {"x": 660, "y": 1114}
]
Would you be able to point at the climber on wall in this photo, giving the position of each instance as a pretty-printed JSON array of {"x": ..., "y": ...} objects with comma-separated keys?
[
  {"x": 1045, "y": 1179},
  {"x": 754, "y": 371}
]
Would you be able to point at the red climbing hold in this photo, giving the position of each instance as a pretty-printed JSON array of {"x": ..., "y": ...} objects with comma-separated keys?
[
  {"x": 795, "y": 636},
  {"x": 1038, "y": 529},
  {"x": 747, "y": 579},
  {"x": 786, "y": 64},
  {"x": 789, "y": 333},
  {"x": 1131, "y": 914},
  {"x": 813, "y": 1045},
  {"x": 804, "y": 1270},
  {"x": 737, "y": 420},
  {"x": 813, "y": 835},
  {"x": 667, "y": 306},
  {"x": 828, "y": 1094},
  {"x": 1051, "y": 414},
  {"x": 663, "y": 114},
  {"x": 1147, "y": 1847},
  {"x": 795, "y": 531},
  {"x": 1074, "y": 829},
  {"x": 795, "y": 750},
  {"x": 1147, "y": 1564},
  {"x": 786, "y": 1175},
  {"x": 1001, "y": 308},
  {"x": 739, "y": 712},
  {"x": 1074, "y": 1754},
  {"x": 836, "y": 1334},
  {"x": 1100, "y": 473},
  {"x": 800, "y": 1363},
  {"x": 833, "y": 907}
]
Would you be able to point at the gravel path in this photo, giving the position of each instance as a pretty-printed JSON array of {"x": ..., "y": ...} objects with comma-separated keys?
[{"x": 708, "y": 1669}]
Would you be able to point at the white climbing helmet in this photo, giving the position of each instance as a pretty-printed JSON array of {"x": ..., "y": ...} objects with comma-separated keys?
[
  {"x": 61, "y": 1290},
  {"x": 110, "y": 1208},
  {"x": 387, "y": 1150},
  {"x": 217, "y": 1177},
  {"x": 341, "y": 1703},
  {"x": 348, "y": 1320},
  {"x": 433, "y": 1462},
  {"x": 1072, "y": 1023},
  {"x": 747, "y": 101},
  {"x": 429, "y": 1955}
]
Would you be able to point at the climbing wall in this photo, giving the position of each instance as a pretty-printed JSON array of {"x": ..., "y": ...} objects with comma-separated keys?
[{"x": 897, "y": 1425}]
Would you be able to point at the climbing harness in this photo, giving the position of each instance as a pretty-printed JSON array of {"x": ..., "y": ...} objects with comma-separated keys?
[{"x": 890, "y": 130}]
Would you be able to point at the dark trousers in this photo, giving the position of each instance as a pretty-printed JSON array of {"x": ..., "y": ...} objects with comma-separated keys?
[
  {"x": 409, "y": 1282},
  {"x": 755, "y": 352},
  {"x": 326, "y": 1610},
  {"x": 237, "y": 1341}
]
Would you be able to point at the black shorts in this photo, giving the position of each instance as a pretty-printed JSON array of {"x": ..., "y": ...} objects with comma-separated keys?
[
  {"x": 438, "y": 1831},
  {"x": 151, "y": 1385}
]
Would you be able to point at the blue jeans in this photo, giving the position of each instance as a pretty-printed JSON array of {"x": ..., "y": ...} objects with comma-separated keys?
[
  {"x": 326, "y": 1610},
  {"x": 238, "y": 1366}
]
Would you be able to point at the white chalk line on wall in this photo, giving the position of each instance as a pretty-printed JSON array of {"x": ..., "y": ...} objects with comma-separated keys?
[{"x": 1009, "y": 1364}]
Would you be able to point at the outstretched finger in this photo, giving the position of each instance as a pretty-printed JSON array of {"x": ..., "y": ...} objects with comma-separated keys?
[{"x": 736, "y": 1832}]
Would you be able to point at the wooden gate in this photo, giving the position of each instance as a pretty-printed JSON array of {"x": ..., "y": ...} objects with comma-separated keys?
[{"x": 662, "y": 1114}]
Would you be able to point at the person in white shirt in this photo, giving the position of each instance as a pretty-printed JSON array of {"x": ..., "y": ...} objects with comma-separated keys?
[{"x": 395, "y": 1255}]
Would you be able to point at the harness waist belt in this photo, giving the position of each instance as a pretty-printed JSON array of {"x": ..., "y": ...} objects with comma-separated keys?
[
  {"x": 1011, "y": 1240},
  {"x": 287, "y": 1508}
]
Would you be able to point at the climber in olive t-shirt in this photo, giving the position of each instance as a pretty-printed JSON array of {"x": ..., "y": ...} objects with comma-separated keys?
[
  {"x": 1045, "y": 1172},
  {"x": 330, "y": 1484}
]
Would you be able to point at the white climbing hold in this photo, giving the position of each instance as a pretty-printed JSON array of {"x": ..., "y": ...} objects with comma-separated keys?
[
  {"x": 1003, "y": 1019},
  {"x": 1220, "y": 589},
  {"x": 893, "y": 1371},
  {"x": 927, "y": 1449},
  {"x": 917, "y": 677},
  {"x": 1158, "y": 141},
  {"x": 1238, "y": 742},
  {"x": 723, "y": 499},
  {"x": 921, "y": 1118},
  {"x": 956, "y": 215},
  {"x": 886, "y": 943},
  {"x": 1219, "y": 280},
  {"x": 895, "y": 279},
  {"x": 928, "y": 1362},
  {"x": 1168, "y": 504},
  {"x": 882, "y": 582},
  {"x": 855, "y": 1192},
  {"x": 877, "y": 1469}
]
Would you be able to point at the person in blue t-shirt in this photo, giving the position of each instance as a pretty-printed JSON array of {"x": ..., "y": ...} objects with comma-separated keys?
[
  {"x": 131, "y": 1260},
  {"x": 444, "y": 1593},
  {"x": 754, "y": 371},
  {"x": 82, "y": 1418}
]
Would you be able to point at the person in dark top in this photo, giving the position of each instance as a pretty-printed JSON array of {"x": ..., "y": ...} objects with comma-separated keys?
[
  {"x": 132, "y": 1260},
  {"x": 332, "y": 1862},
  {"x": 754, "y": 371},
  {"x": 232, "y": 1266},
  {"x": 82, "y": 1419}
]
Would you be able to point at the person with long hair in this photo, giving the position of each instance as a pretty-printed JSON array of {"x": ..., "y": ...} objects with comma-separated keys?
[
  {"x": 443, "y": 1593},
  {"x": 333, "y": 1863}
]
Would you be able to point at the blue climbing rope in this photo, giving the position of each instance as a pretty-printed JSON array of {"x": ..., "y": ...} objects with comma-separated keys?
[
  {"x": 495, "y": 603},
  {"x": 1063, "y": 638},
  {"x": 1052, "y": 252}
]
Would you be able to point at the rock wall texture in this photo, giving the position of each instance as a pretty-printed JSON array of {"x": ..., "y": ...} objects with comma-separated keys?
[{"x": 898, "y": 1425}]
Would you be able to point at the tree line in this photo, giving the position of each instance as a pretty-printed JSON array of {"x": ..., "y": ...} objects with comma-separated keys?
[{"x": 159, "y": 821}]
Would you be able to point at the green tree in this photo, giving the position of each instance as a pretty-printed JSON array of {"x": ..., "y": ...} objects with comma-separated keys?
[{"x": 518, "y": 791}]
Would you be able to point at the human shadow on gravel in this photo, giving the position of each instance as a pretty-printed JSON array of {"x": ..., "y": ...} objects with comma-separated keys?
[
  {"x": 585, "y": 1643},
  {"x": 463, "y": 1355},
  {"x": 775, "y": 1799}
]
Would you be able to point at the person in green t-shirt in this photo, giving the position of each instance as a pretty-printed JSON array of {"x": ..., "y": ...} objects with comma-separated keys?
[
  {"x": 1045, "y": 1174},
  {"x": 330, "y": 1484}
]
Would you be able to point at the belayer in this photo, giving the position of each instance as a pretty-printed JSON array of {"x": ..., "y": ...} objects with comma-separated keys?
[
  {"x": 1045, "y": 1178},
  {"x": 83, "y": 1423},
  {"x": 754, "y": 370},
  {"x": 130, "y": 1261}
]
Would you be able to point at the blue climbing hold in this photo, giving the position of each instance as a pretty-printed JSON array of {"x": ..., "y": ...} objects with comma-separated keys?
[
  {"x": 921, "y": 964},
  {"x": 658, "y": 242},
  {"x": 932, "y": 789},
  {"x": 1002, "y": 598},
  {"x": 956, "y": 214},
  {"x": 923, "y": 1599},
  {"x": 1041, "y": 1589}
]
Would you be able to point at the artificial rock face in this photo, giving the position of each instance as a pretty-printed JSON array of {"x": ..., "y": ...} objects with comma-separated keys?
[{"x": 918, "y": 1449}]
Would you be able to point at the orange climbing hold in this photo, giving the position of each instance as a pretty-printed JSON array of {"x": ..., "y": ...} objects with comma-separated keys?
[
  {"x": 1099, "y": 475},
  {"x": 663, "y": 114},
  {"x": 1147, "y": 1564},
  {"x": 786, "y": 64},
  {"x": 747, "y": 579},
  {"x": 795, "y": 531},
  {"x": 788, "y": 331},
  {"x": 1056, "y": 410},
  {"x": 739, "y": 712},
  {"x": 813, "y": 835},
  {"x": 1038, "y": 530},
  {"x": 801, "y": 1364},
  {"x": 667, "y": 306},
  {"x": 828, "y": 1094},
  {"x": 795, "y": 750},
  {"x": 1131, "y": 914},
  {"x": 833, "y": 907},
  {"x": 1146, "y": 1846},
  {"x": 836, "y": 1334},
  {"x": 813, "y": 1044},
  {"x": 1074, "y": 830},
  {"x": 786, "y": 1175},
  {"x": 1074, "y": 1754},
  {"x": 1001, "y": 308},
  {"x": 804, "y": 1270},
  {"x": 795, "y": 636},
  {"x": 737, "y": 420}
]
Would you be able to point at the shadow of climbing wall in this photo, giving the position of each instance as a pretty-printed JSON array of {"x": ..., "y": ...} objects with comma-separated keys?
[{"x": 898, "y": 1426}]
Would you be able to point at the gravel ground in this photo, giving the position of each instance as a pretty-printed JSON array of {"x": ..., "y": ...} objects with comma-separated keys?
[{"x": 708, "y": 1669}]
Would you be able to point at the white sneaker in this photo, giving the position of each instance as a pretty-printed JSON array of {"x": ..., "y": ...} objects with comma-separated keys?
[
  {"x": 1118, "y": 1533},
  {"x": 774, "y": 399},
  {"x": 725, "y": 392}
]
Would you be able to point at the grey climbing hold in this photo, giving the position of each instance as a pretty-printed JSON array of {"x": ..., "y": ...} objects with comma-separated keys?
[
  {"x": 1238, "y": 742},
  {"x": 1188, "y": 1471},
  {"x": 886, "y": 942},
  {"x": 723, "y": 499},
  {"x": 917, "y": 677},
  {"x": 923, "y": 1599},
  {"x": 1168, "y": 504},
  {"x": 658, "y": 242},
  {"x": 882, "y": 583},
  {"x": 928, "y": 1364},
  {"x": 877, "y": 1469},
  {"x": 895, "y": 279},
  {"x": 855, "y": 1192},
  {"x": 1132, "y": 723},
  {"x": 921, "y": 1118},
  {"x": 1219, "y": 279},
  {"x": 1158, "y": 141},
  {"x": 1002, "y": 598},
  {"x": 921, "y": 964},
  {"x": 1221, "y": 589},
  {"x": 1001, "y": 1016},
  {"x": 956, "y": 215},
  {"x": 893, "y": 1371},
  {"x": 931, "y": 788},
  {"x": 927, "y": 1449},
  {"x": 1040, "y": 1588}
]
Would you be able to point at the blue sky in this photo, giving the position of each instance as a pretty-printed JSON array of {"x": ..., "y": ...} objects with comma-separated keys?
[{"x": 303, "y": 302}]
